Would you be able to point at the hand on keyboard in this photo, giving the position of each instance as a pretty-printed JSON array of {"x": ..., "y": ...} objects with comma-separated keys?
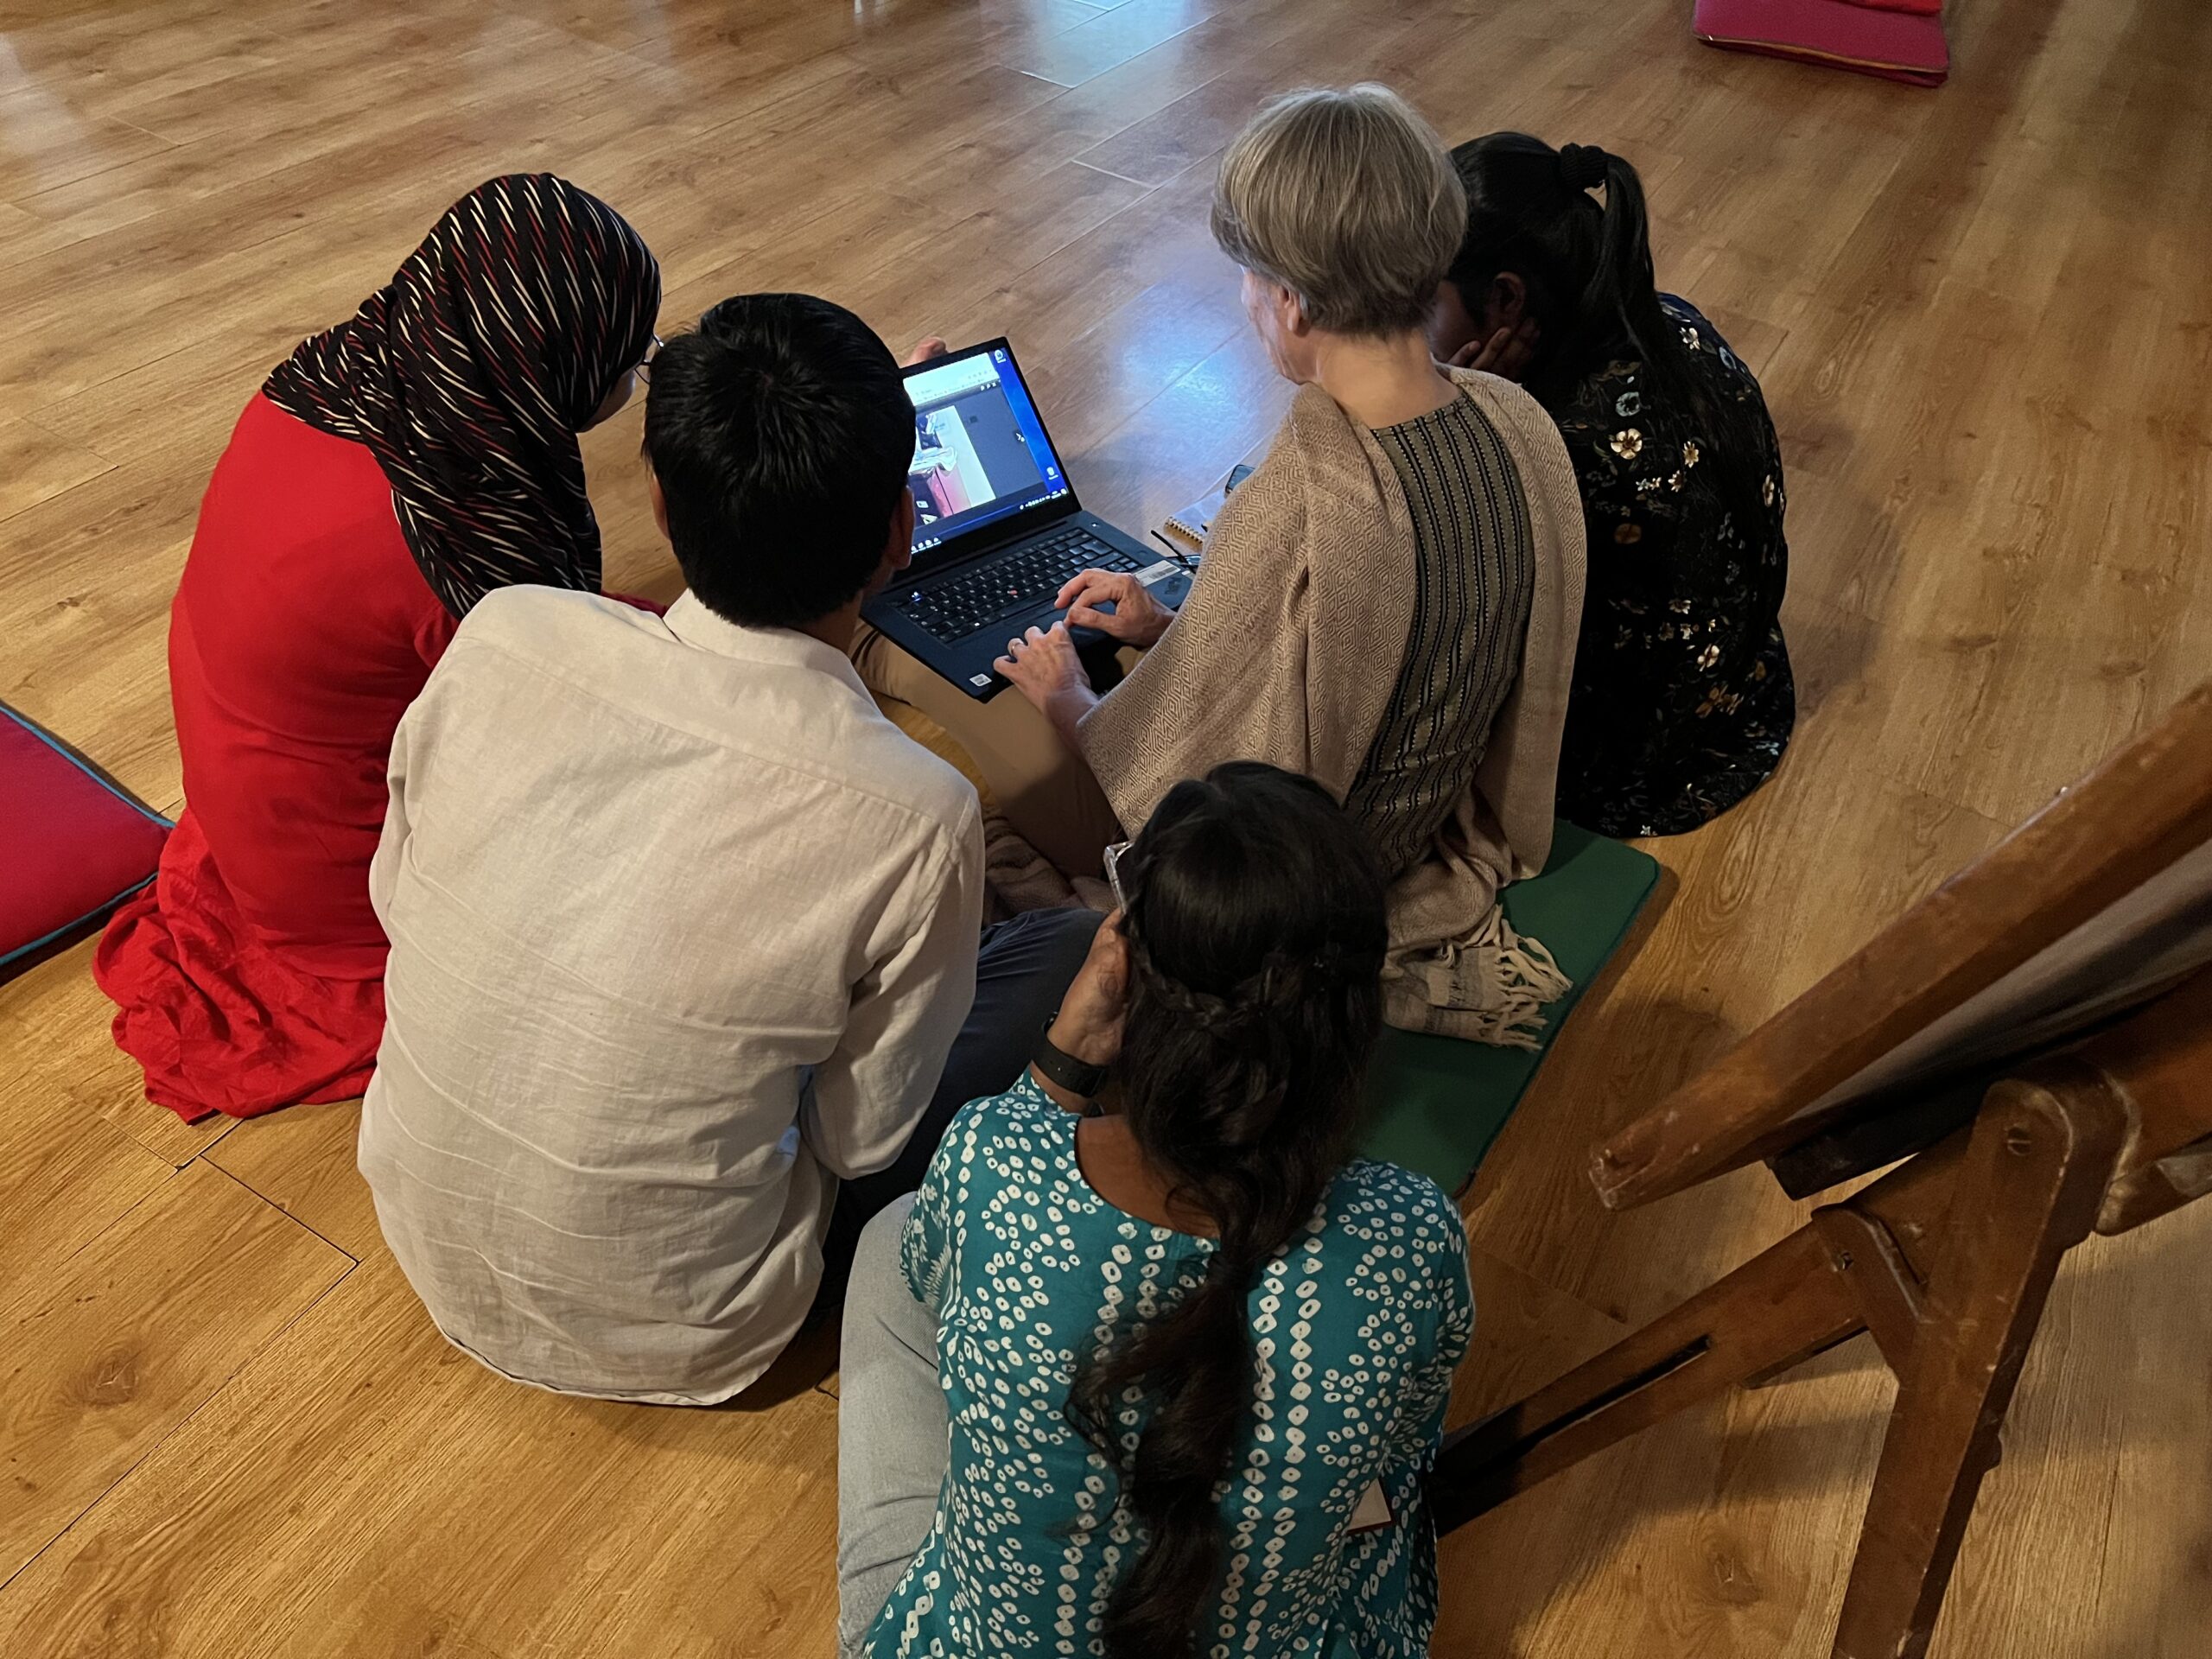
[
  {"x": 1022, "y": 581},
  {"x": 1043, "y": 667},
  {"x": 1137, "y": 618}
]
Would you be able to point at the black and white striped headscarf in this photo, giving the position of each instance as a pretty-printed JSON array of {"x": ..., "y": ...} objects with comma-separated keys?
[{"x": 469, "y": 376}]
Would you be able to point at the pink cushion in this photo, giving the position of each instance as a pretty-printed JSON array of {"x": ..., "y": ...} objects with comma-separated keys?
[
  {"x": 73, "y": 846},
  {"x": 1896, "y": 45}
]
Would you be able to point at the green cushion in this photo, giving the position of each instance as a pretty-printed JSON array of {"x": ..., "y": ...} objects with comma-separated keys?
[{"x": 1436, "y": 1103}]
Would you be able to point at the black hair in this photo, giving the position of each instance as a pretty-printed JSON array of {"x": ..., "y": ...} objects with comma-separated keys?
[
  {"x": 780, "y": 433},
  {"x": 1587, "y": 269},
  {"x": 1256, "y": 927}
]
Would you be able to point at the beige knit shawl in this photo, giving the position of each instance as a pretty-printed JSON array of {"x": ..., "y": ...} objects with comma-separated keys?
[{"x": 1287, "y": 651}]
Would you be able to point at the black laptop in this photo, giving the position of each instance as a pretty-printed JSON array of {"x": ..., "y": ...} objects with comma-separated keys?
[{"x": 997, "y": 528}]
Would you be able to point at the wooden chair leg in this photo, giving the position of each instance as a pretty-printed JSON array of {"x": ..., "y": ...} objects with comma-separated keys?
[
  {"x": 1781, "y": 1306},
  {"x": 2035, "y": 1170}
]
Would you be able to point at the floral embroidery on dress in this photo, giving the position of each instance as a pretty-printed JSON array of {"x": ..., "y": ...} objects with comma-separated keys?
[{"x": 1683, "y": 701}]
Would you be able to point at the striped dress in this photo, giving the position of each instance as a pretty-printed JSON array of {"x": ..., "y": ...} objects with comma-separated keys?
[{"x": 1475, "y": 579}]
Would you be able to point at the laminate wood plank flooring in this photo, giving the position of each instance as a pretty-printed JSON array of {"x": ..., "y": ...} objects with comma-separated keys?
[{"x": 1983, "y": 323}]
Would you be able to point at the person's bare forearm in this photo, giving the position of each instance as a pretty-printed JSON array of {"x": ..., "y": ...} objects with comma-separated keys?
[{"x": 1066, "y": 713}]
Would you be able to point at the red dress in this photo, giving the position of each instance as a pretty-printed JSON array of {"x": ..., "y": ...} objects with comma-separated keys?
[{"x": 251, "y": 974}]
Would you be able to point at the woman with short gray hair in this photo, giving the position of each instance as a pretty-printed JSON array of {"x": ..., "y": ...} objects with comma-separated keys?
[
  {"x": 1346, "y": 203},
  {"x": 1389, "y": 603}
]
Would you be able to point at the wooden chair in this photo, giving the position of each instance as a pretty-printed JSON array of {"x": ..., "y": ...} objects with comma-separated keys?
[{"x": 2034, "y": 1040}]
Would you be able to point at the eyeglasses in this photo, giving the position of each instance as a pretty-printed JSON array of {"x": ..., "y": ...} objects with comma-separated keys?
[
  {"x": 1113, "y": 873},
  {"x": 645, "y": 369}
]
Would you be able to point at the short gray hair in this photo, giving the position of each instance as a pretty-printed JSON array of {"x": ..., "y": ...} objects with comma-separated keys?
[{"x": 1348, "y": 200}]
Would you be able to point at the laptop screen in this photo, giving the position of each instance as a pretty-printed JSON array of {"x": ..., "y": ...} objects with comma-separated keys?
[{"x": 980, "y": 450}]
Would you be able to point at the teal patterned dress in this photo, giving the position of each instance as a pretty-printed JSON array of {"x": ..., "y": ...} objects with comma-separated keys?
[{"x": 1358, "y": 1325}]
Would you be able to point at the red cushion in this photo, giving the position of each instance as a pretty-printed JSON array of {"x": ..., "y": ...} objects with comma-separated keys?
[
  {"x": 71, "y": 845},
  {"x": 1896, "y": 45}
]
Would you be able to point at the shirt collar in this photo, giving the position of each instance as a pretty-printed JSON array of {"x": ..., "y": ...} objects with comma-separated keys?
[{"x": 691, "y": 621}]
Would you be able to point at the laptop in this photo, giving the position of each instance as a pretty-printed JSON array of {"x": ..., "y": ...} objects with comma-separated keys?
[{"x": 998, "y": 530}]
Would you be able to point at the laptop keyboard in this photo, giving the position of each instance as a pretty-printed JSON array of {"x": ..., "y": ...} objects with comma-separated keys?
[{"x": 1013, "y": 583}]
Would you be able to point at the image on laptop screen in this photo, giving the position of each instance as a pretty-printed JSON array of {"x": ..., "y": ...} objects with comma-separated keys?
[{"x": 980, "y": 450}]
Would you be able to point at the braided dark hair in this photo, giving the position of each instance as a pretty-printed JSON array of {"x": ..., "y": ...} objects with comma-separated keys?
[{"x": 1256, "y": 926}]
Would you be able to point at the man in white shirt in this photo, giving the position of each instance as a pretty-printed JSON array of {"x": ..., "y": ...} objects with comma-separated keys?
[{"x": 682, "y": 930}]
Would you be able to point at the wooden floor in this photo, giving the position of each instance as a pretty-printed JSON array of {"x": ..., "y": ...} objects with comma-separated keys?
[{"x": 1982, "y": 317}]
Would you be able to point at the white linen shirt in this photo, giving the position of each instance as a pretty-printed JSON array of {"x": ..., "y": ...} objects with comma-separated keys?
[{"x": 682, "y": 929}]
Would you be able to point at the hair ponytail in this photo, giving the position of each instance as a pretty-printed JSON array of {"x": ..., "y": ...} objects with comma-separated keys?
[
  {"x": 1195, "y": 1362},
  {"x": 1257, "y": 928},
  {"x": 1622, "y": 282},
  {"x": 1624, "y": 286},
  {"x": 1587, "y": 269}
]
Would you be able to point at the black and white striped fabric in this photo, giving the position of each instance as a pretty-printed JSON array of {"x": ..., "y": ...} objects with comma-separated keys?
[
  {"x": 469, "y": 376},
  {"x": 1475, "y": 581}
]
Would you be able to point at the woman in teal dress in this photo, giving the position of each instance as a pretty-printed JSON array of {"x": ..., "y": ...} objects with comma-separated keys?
[{"x": 1159, "y": 1371}]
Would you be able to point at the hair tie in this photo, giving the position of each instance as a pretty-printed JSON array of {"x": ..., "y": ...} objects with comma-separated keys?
[{"x": 1582, "y": 167}]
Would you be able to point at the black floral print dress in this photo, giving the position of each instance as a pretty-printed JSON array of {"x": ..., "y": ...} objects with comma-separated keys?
[{"x": 1683, "y": 701}]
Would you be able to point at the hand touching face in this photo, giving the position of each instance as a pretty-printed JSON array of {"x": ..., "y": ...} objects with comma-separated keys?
[
  {"x": 1089, "y": 1025},
  {"x": 1505, "y": 353}
]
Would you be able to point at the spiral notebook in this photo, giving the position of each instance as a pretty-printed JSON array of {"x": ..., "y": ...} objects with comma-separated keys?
[{"x": 1186, "y": 532}]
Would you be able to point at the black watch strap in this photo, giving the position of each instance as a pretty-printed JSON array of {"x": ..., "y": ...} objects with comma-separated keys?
[{"x": 1077, "y": 1076}]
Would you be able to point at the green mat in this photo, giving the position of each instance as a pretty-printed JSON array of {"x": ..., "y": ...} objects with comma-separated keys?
[{"x": 1436, "y": 1103}]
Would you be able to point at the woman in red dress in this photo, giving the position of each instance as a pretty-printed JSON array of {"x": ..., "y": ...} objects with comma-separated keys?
[{"x": 390, "y": 473}]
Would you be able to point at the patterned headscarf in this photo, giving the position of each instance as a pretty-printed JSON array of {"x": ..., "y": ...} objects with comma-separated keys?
[{"x": 469, "y": 376}]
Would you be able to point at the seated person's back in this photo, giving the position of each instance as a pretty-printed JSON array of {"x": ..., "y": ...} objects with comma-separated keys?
[
  {"x": 388, "y": 473},
  {"x": 1388, "y": 604},
  {"x": 682, "y": 928},
  {"x": 1474, "y": 579},
  {"x": 1194, "y": 1360},
  {"x": 1335, "y": 1410},
  {"x": 1682, "y": 699}
]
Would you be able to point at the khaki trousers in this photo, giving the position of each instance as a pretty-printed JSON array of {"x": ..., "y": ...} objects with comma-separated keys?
[{"x": 1039, "y": 786}]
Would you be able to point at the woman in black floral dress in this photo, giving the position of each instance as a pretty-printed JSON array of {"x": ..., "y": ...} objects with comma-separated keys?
[{"x": 1683, "y": 701}]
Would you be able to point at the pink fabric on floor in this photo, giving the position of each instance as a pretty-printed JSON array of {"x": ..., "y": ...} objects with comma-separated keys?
[
  {"x": 71, "y": 845},
  {"x": 1895, "y": 44}
]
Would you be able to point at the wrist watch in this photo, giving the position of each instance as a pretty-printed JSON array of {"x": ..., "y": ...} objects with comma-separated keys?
[{"x": 1077, "y": 1076}]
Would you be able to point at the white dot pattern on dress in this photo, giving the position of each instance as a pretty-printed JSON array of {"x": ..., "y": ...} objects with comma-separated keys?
[{"x": 1358, "y": 1327}]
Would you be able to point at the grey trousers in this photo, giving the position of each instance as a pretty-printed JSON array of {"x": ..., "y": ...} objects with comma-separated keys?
[{"x": 892, "y": 1429}]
